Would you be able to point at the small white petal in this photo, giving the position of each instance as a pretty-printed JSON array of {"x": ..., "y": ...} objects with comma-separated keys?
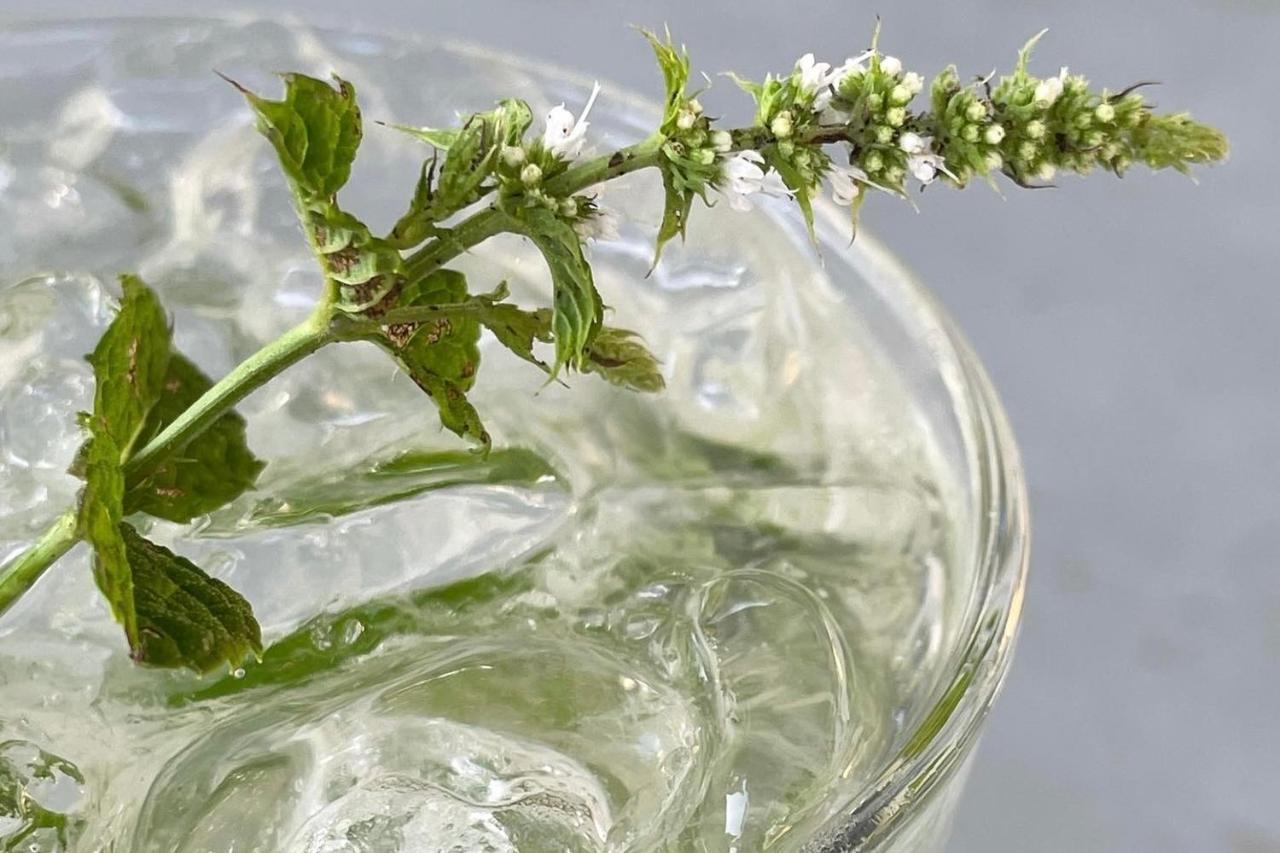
[
  {"x": 912, "y": 143},
  {"x": 891, "y": 65}
]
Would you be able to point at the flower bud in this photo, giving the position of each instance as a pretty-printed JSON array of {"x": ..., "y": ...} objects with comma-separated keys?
[
  {"x": 994, "y": 162},
  {"x": 914, "y": 82},
  {"x": 993, "y": 134},
  {"x": 685, "y": 119},
  {"x": 976, "y": 111},
  {"x": 894, "y": 174},
  {"x": 1046, "y": 172},
  {"x": 568, "y": 207},
  {"x": 891, "y": 65},
  {"x": 722, "y": 141},
  {"x": 875, "y": 100},
  {"x": 884, "y": 134},
  {"x": 1105, "y": 113},
  {"x": 1028, "y": 150},
  {"x": 1035, "y": 129},
  {"x": 781, "y": 125},
  {"x": 512, "y": 155},
  {"x": 703, "y": 156},
  {"x": 695, "y": 106},
  {"x": 896, "y": 116},
  {"x": 531, "y": 175},
  {"x": 970, "y": 133},
  {"x": 900, "y": 94},
  {"x": 873, "y": 162}
]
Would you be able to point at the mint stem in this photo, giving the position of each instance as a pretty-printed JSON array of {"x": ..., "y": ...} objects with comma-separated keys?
[
  {"x": 252, "y": 373},
  {"x": 19, "y": 575},
  {"x": 294, "y": 345},
  {"x": 644, "y": 154}
]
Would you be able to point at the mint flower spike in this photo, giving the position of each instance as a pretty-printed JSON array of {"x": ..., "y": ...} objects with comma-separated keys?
[{"x": 1025, "y": 127}]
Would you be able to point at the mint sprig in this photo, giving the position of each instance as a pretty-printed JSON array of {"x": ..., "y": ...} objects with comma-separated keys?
[{"x": 163, "y": 440}]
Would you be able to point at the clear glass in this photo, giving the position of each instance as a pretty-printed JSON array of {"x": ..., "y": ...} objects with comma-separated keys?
[{"x": 768, "y": 609}]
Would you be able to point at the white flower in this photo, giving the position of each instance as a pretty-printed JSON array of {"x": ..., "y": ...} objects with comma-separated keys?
[
  {"x": 912, "y": 143},
  {"x": 925, "y": 167},
  {"x": 1049, "y": 89},
  {"x": 600, "y": 225},
  {"x": 891, "y": 65},
  {"x": 744, "y": 174},
  {"x": 844, "y": 184},
  {"x": 914, "y": 82},
  {"x": 565, "y": 135},
  {"x": 813, "y": 75},
  {"x": 851, "y": 66}
]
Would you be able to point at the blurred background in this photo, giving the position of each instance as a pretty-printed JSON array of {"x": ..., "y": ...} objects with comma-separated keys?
[{"x": 1134, "y": 333}]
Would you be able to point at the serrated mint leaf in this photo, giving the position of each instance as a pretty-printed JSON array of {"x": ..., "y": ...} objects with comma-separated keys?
[
  {"x": 316, "y": 130},
  {"x": 677, "y": 203},
  {"x": 577, "y": 311},
  {"x": 185, "y": 618},
  {"x": 210, "y": 472},
  {"x": 365, "y": 268},
  {"x": 795, "y": 182},
  {"x": 442, "y": 355},
  {"x": 101, "y": 511},
  {"x": 515, "y": 328},
  {"x": 467, "y": 173},
  {"x": 675, "y": 74},
  {"x": 129, "y": 364},
  {"x": 621, "y": 358}
]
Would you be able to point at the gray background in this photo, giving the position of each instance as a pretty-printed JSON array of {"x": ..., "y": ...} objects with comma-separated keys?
[{"x": 1132, "y": 331}]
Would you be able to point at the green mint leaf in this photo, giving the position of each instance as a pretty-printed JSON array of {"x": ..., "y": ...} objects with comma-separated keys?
[
  {"x": 316, "y": 130},
  {"x": 675, "y": 212},
  {"x": 675, "y": 74},
  {"x": 365, "y": 268},
  {"x": 622, "y": 359},
  {"x": 442, "y": 355},
  {"x": 471, "y": 158},
  {"x": 208, "y": 473},
  {"x": 439, "y": 138},
  {"x": 516, "y": 328},
  {"x": 129, "y": 363},
  {"x": 801, "y": 189},
  {"x": 185, "y": 618},
  {"x": 577, "y": 312},
  {"x": 101, "y": 512}
]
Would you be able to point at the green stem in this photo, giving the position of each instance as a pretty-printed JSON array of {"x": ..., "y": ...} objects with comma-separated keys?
[
  {"x": 19, "y": 575},
  {"x": 250, "y": 375},
  {"x": 254, "y": 372},
  {"x": 644, "y": 154}
]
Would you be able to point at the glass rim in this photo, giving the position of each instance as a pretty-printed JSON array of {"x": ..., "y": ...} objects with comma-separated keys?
[{"x": 940, "y": 742}]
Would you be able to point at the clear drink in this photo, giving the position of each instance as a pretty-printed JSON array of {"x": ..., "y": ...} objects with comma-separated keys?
[{"x": 764, "y": 610}]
